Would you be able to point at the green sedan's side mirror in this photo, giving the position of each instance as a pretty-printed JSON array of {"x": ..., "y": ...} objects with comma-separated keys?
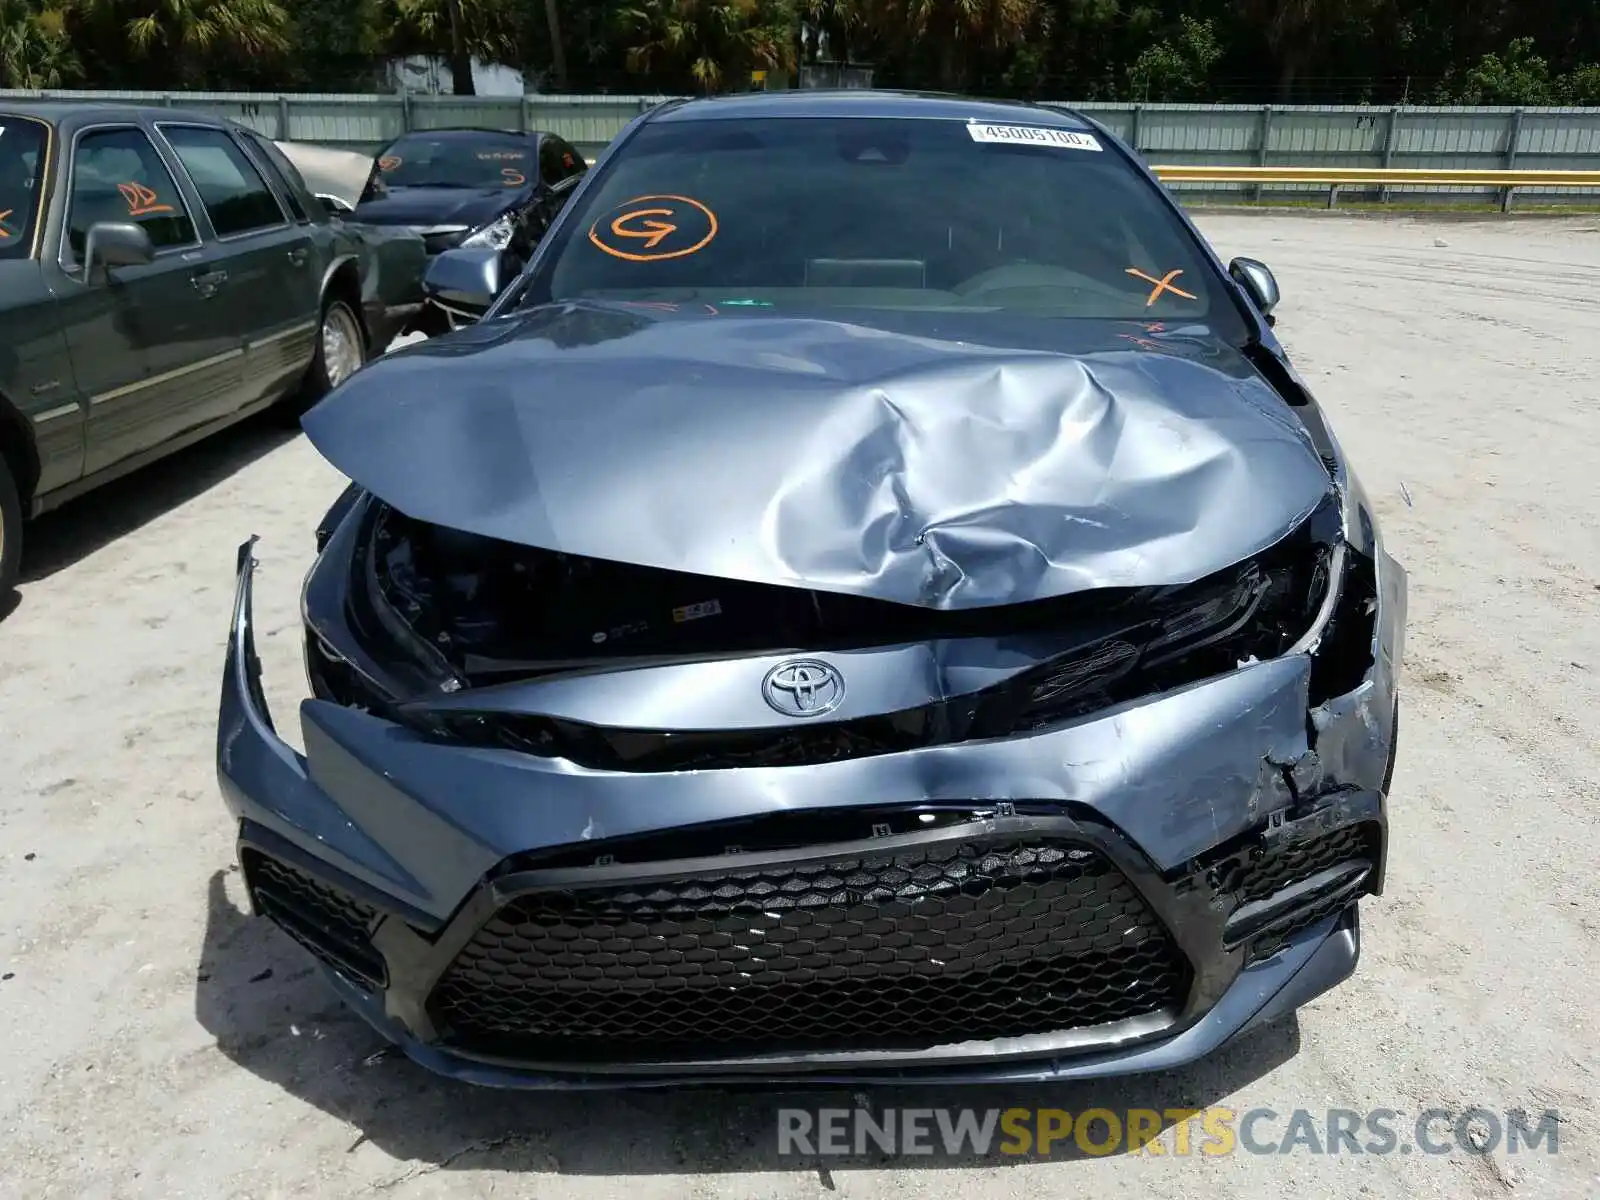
[{"x": 115, "y": 244}]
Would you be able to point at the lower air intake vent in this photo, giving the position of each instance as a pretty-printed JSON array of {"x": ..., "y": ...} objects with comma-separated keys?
[{"x": 333, "y": 925}]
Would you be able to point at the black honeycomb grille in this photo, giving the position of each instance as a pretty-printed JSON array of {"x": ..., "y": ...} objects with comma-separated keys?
[
  {"x": 1278, "y": 869},
  {"x": 330, "y": 923},
  {"x": 961, "y": 941}
]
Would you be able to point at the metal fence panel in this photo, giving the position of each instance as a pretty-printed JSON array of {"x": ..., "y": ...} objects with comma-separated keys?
[{"x": 1180, "y": 134}]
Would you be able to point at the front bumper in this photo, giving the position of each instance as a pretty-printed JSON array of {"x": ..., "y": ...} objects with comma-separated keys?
[{"x": 387, "y": 855}]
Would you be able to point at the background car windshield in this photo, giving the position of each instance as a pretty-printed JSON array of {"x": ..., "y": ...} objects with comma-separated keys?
[
  {"x": 472, "y": 161},
  {"x": 22, "y": 144},
  {"x": 880, "y": 213}
]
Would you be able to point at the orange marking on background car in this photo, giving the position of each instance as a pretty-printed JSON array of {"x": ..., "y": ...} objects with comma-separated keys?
[
  {"x": 513, "y": 177},
  {"x": 389, "y": 162},
  {"x": 1164, "y": 284},
  {"x": 5, "y": 229},
  {"x": 653, "y": 232},
  {"x": 141, "y": 201}
]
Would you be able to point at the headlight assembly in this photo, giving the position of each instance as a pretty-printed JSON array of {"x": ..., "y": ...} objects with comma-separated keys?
[{"x": 496, "y": 235}]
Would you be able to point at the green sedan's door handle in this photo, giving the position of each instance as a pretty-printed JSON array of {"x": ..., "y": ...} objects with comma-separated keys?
[
  {"x": 298, "y": 256},
  {"x": 207, "y": 282}
]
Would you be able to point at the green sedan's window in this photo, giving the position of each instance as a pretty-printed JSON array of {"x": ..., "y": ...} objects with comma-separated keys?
[
  {"x": 290, "y": 182},
  {"x": 22, "y": 155},
  {"x": 236, "y": 197},
  {"x": 118, "y": 176}
]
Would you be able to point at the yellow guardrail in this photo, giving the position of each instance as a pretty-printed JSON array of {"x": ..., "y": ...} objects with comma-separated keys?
[{"x": 1334, "y": 178}]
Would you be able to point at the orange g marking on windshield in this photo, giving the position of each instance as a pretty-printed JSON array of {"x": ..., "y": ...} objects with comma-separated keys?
[
  {"x": 141, "y": 201},
  {"x": 638, "y": 234},
  {"x": 651, "y": 231},
  {"x": 389, "y": 162},
  {"x": 513, "y": 177},
  {"x": 1164, "y": 284}
]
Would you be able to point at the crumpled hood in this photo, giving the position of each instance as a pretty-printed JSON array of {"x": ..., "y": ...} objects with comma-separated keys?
[
  {"x": 933, "y": 471},
  {"x": 438, "y": 206}
]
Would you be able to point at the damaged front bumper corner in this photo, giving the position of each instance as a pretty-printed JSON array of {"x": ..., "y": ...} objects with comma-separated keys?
[{"x": 1248, "y": 823}]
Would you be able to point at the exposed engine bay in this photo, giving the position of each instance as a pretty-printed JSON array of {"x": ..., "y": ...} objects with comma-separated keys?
[{"x": 469, "y": 611}]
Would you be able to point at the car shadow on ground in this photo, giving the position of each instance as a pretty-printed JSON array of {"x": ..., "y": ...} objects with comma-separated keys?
[
  {"x": 272, "y": 1013},
  {"x": 62, "y": 538}
]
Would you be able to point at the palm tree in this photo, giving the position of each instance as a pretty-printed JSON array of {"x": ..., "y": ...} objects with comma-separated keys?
[
  {"x": 460, "y": 60},
  {"x": 712, "y": 40},
  {"x": 1297, "y": 31},
  {"x": 35, "y": 51},
  {"x": 838, "y": 21},
  {"x": 198, "y": 27},
  {"x": 173, "y": 41},
  {"x": 956, "y": 27},
  {"x": 558, "y": 52}
]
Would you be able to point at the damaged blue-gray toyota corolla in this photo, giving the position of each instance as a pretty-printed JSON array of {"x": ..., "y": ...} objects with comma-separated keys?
[{"x": 871, "y": 600}]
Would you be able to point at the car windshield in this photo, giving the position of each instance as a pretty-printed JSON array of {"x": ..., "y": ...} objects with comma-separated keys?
[
  {"x": 22, "y": 153},
  {"x": 907, "y": 214},
  {"x": 454, "y": 160}
]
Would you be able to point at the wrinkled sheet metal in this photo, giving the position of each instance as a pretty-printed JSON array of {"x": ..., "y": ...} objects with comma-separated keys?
[
  {"x": 330, "y": 172},
  {"x": 935, "y": 471},
  {"x": 1177, "y": 773}
]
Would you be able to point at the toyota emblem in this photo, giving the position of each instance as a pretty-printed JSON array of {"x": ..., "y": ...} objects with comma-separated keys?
[{"x": 803, "y": 687}]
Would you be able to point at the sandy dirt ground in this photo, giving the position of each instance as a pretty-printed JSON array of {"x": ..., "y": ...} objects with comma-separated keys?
[{"x": 162, "y": 1044}]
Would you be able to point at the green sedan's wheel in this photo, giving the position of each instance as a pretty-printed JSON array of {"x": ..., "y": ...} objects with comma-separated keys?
[
  {"x": 10, "y": 533},
  {"x": 343, "y": 347},
  {"x": 340, "y": 352}
]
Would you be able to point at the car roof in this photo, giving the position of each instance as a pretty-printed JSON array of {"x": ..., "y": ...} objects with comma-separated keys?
[
  {"x": 469, "y": 131},
  {"x": 83, "y": 112},
  {"x": 867, "y": 103}
]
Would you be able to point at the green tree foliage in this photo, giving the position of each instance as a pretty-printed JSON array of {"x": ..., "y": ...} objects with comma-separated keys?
[
  {"x": 1178, "y": 67},
  {"x": 35, "y": 51},
  {"x": 713, "y": 43},
  {"x": 1524, "y": 52}
]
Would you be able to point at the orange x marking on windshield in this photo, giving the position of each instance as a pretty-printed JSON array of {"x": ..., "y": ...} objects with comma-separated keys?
[
  {"x": 1164, "y": 284},
  {"x": 4, "y": 228},
  {"x": 653, "y": 231}
]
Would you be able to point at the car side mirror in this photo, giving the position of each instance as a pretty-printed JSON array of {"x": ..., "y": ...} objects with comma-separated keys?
[
  {"x": 465, "y": 282},
  {"x": 1258, "y": 282},
  {"x": 115, "y": 244}
]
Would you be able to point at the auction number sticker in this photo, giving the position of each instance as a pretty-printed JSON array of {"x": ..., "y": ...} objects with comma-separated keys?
[{"x": 1032, "y": 135}]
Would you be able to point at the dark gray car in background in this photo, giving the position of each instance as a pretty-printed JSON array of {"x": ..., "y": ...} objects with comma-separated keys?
[
  {"x": 872, "y": 600},
  {"x": 164, "y": 274}
]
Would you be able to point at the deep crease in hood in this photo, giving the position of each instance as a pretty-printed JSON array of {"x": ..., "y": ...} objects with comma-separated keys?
[{"x": 932, "y": 471}]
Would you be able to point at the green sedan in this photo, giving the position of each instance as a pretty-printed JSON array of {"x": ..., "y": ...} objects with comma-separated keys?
[{"x": 164, "y": 274}]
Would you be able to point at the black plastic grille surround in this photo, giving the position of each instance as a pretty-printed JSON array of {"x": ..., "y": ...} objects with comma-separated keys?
[
  {"x": 330, "y": 923},
  {"x": 960, "y": 940}
]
